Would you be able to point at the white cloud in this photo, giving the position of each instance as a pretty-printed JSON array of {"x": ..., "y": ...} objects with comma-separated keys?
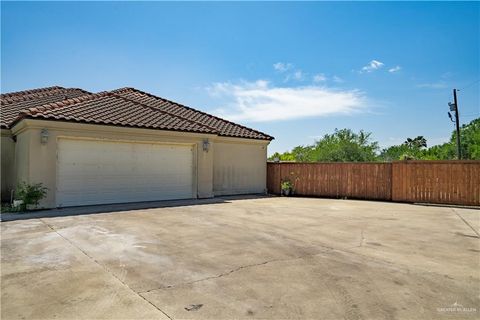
[
  {"x": 447, "y": 75},
  {"x": 372, "y": 66},
  {"x": 433, "y": 85},
  {"x": 337, "y": 79},
  {"x": 394, "y": 69},
  {"x": 282, "y": 67},
  {"x": 291, "y": 73},
  {"x": 298, "y": 75},
  {"x": 259, "y": 101},
  {"x": 319, "y": 78}
]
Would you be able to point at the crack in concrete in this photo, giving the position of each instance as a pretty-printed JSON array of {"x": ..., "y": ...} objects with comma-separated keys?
[
  {"x": 103, "y": 267},
  {"x": 466, "y": 222},
  {"x": 321, "y": 247},
  {"x": 362, "y": 239},
  {"x": 324, "y": 249},
  {"x": 223, "y": 274}
]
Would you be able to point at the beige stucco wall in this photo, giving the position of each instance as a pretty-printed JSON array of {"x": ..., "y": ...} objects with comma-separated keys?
[
  {"x": 8, "y": 164},
  {"x": 37, "y": 162},
  {"x": 231, "y": 166},
  {"x": 22, "y": 157},
  {"x": 239, "y": 166}
]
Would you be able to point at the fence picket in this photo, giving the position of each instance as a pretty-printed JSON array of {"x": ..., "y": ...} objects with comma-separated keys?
[{"x": 449, "y": 182}]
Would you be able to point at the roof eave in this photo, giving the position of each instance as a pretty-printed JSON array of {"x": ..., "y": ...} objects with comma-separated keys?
[{"x": 40, "y": 118}]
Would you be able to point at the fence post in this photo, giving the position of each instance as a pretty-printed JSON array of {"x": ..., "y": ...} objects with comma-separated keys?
[{"x": 449, "y": 182}]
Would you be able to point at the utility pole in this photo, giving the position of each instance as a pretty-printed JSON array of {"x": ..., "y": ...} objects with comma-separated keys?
[{"x": 454, "y": 108}]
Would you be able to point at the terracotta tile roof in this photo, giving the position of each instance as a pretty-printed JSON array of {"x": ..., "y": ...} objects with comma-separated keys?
[
  {"x": 19, "y": 94},
  {"x": 122, "y": 107},
  {"x": 224, "y": 127},
  {"x": 110, "y": 109},
  {"x": 13, "y": 103}
]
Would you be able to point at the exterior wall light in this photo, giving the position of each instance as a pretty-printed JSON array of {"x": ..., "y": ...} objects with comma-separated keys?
[
  {"x": 206, "y": 145},
  {"x": 44, "y": 136}
]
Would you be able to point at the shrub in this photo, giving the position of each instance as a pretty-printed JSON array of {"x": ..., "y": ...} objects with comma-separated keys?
[
  {"x": 407, "y": 156},
  {"x": 30, "y": 194},
  {"x": 287, "y": 185},
  {"x": 6, "y": 208}
]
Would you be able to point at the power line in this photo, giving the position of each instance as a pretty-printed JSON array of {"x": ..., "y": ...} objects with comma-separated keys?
[{"x": 469, "y": 85}]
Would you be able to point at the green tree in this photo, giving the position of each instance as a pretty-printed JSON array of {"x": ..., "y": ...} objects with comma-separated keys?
[
  {"x": 409, "y": 150},
  {"x": 446, "y": 151},
  {"x": 470, "y": 144},
  {"x": 470, "y": 140},
  {"x": 286, "y": 156},
  {"x": 416, "y": 143},
  {"x": 302, "y": 153},
  {"x": 397, "y": 152},
  {"x": 343, "y": 145}
]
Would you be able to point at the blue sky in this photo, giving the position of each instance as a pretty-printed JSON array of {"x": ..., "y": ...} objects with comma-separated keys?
[{"x": 293, "y": 70}]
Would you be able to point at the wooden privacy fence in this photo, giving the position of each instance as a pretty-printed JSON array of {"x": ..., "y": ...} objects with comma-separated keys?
[{"x": 448, "y": 182}]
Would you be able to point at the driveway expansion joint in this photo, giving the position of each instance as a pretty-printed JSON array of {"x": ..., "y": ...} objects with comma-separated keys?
[
  {"x": 103, "y": 267},
  {"x": 466, "y": 222}
]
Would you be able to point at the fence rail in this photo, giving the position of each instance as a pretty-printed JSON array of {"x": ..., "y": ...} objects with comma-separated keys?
[{"x": 448, "y": 182}]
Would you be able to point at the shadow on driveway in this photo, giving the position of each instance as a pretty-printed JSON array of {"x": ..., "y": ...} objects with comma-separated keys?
[{"x": 121, "y": 207}]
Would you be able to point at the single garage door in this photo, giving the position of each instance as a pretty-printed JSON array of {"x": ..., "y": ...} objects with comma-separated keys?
[{"x": 99, "y": 172}]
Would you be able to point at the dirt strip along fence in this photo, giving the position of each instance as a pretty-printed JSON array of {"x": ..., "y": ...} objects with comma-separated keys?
[{"x": 443, "y": 182}]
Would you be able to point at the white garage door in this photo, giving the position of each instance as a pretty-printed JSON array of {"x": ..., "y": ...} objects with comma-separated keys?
[{"x": 97, "y": 172}]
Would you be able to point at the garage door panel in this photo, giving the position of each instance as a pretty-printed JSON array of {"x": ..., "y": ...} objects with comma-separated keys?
[{"x": 94, "y": 172}]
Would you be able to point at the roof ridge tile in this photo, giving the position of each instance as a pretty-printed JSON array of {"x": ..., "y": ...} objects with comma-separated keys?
[
  {"x": 30, "y": 91},
  {"x": 55, "y": 105},
  {"x": 126, "y": 89},
  {"x": 163, "y": 111},
  {"x": 7, "y": 99}
]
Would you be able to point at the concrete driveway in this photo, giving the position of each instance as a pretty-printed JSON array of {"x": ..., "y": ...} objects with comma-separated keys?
[{"x": 273, "y": 258}]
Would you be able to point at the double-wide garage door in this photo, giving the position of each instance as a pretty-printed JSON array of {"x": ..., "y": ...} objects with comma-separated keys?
[{"x": 100, "y": 172}]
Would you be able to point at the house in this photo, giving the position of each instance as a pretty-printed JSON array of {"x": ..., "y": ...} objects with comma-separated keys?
[{"x": 124, "y": 145}]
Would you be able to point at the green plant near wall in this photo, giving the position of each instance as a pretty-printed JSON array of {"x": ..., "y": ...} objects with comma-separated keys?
[
  {"x": 286, "y": 185},
  {"x": 286, "y": 188},
  {"x": 30, "y": 194}
]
